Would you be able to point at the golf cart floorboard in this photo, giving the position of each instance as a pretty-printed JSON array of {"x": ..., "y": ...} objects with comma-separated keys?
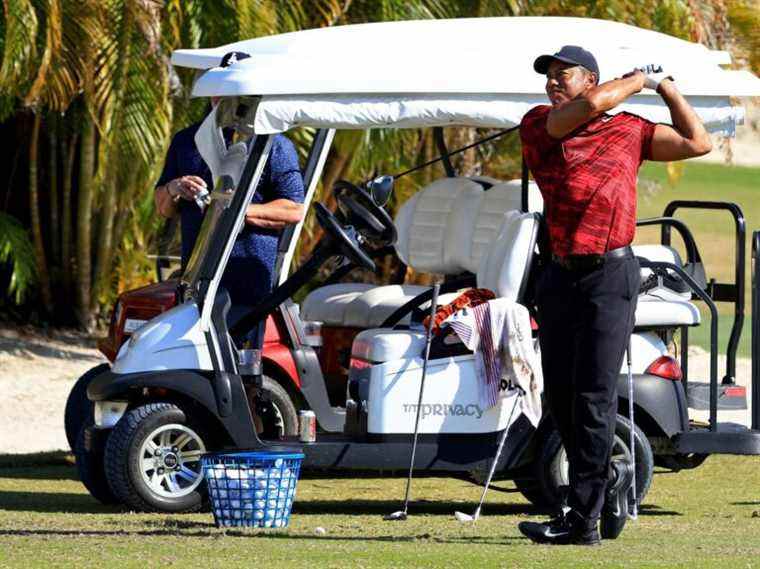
[
  {"x": 452, "y": 453},
  {"x": 730, "y": 438}
]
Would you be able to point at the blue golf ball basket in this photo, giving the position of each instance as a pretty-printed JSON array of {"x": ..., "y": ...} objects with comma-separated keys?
[{"x": 252, "y": 489}]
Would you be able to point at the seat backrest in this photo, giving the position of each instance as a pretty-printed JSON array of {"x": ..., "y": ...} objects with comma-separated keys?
[
  {"x": 505, "y": 268},
  {"x": 424, "y": 224},
  {"x": 661, "y": 253},
  {"x": 495, "y": 203}
]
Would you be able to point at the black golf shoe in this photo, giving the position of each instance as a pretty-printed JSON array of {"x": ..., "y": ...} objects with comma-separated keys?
[
  {"x": 566, "y": 529},
  {"x": 615, "y": 509}
]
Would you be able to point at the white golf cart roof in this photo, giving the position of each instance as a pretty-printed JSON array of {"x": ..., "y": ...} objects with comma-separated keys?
[{"x": 468, "y": 72}]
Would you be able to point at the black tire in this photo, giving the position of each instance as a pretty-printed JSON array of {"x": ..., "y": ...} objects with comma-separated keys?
[
  {"x": 80, "y": 410},
  {"x": 275, "y": 415},
  {"x": 549, "y": 471},
  {"x": 89, "y": 450},
  {"x": 125, "y": 460}
]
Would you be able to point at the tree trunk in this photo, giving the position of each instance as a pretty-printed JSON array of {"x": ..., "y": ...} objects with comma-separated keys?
[
  {"x": 34, "y": 212},
  {"x": 67, "y": 264},
  {"x": 55, "y": 227},
  {"x": 84, "y": 225},
  {"x": 103, "y": 253}
]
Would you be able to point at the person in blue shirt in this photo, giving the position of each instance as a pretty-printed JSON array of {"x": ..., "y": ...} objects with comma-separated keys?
[{"x": 276, "y": 203}]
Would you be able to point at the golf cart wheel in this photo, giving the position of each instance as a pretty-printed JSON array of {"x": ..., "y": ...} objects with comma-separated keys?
[
  {"x": 153, "y": 460},
  {"x": 80, "y": 410},
  {"x": 89, "y": 451},
  {"x": 275, "y": 415},
  {"x": 550, "y": 470}
]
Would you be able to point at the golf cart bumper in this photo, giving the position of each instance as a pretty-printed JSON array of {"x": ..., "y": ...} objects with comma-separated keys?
[
  {"x": 221, "y": 394},
  {"x": 728, "y": 438}
]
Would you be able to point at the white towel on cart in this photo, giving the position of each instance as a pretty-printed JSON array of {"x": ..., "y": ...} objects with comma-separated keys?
[{"x": 499, "y": 333}]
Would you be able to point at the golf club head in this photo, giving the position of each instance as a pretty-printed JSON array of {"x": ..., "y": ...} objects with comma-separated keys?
[
  {"x": 633, "y": 506},
  {"x": 399, "y": 516},
  {"x": 463, "y": 518}
]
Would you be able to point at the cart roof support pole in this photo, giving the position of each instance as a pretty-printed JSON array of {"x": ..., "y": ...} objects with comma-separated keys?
[{"x": 755, "y": 338}]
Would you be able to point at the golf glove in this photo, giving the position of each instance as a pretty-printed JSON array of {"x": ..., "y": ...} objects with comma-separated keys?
[{"x": 653, "y": 76}]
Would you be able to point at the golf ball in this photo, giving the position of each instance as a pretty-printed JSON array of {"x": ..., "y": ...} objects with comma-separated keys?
[{"x": 320, "y": 530}]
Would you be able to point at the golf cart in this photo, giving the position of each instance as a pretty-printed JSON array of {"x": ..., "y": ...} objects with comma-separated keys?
[{"x": 180, "y": 385}]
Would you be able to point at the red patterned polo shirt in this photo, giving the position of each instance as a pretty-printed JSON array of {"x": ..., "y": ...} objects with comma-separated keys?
[{"x": 587, "y": 179}]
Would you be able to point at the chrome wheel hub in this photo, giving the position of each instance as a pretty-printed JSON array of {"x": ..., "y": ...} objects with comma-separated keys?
[{"x": 170, "y": 460}]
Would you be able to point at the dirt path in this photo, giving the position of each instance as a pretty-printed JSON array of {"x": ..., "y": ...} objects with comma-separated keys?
[{"x": 37, "y": 372}]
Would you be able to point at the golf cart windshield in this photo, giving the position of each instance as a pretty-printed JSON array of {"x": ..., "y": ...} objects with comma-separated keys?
[
  {"x": 219, "y": 201},
  {"x": 236, "y": 171}
]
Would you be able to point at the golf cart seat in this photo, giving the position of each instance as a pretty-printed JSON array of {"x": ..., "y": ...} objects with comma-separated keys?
[
  {"x": 445, "y": 228},
  {"x": 661, "y": 306},
  {"x": 504, "y": 269}
]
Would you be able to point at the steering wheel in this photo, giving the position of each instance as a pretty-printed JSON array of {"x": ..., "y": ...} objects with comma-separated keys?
[
  {"x": 359, "y": 209},
  {"x": 347, "y": 244}
]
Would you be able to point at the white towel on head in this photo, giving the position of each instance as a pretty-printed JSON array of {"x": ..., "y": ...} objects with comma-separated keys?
[{"x": 499, "y": 333}]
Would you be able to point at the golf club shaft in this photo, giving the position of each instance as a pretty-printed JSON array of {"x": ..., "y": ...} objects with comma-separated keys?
[
  {"x": 634, "y": 511},
  {"x": 498, "y": 454},
  {"x": 428, "y": 336}
]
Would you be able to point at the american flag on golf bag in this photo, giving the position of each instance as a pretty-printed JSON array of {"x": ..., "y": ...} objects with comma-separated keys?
[
  {"x": 499, "y": 333},
  {"x": 479, "y": 338}
]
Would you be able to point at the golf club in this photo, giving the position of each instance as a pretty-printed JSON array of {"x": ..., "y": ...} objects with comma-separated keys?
[
  {"x": 401, "y": 515},
  {"x": 633, "y": 511},
  {"x": 466, "y": 518}
]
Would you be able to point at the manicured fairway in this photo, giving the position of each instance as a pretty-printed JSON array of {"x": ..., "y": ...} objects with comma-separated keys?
[{"x": 709, "y": 517}]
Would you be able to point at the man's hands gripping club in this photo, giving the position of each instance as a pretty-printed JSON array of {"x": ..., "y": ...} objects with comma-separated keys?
[{"x": 577, "y": 99}]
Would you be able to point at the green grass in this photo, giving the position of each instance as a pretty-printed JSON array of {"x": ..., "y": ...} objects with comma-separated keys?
[
  {"x": 713, "y": 231},
  {"x": 708, "y": 517}
]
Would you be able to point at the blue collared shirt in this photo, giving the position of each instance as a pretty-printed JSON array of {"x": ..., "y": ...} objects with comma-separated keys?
[{"x": 248, "y": 276}]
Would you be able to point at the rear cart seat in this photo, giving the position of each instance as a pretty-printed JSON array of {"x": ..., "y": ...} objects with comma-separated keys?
[{"x": 661, "y": 306}]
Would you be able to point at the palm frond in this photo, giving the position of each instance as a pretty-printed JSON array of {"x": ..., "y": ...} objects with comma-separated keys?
[
  {"x": 19, "y": 44},
  {"x": 16, "y": 249}
]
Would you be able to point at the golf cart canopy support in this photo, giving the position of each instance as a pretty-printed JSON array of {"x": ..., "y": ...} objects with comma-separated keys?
[{"x": 382, "y": 83}]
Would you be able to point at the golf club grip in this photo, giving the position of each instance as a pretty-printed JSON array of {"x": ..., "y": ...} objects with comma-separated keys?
[{"x": 429, "y": 332}]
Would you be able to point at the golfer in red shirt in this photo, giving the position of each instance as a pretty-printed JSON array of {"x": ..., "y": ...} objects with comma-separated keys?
[{"x": 585, "y": 163}]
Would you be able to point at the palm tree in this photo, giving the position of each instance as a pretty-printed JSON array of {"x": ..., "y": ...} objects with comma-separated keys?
[{"x": 92, "y": 79}]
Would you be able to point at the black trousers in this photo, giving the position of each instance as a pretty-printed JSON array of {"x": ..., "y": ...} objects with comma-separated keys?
[{"x": 585, "y": 322}]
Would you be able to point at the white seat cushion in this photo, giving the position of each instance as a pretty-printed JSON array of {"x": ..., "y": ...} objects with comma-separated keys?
[
  {"x": 424, "y": 225},
  {"x": 662, "y": 254},
  {"x": 475, "y": 236},
  {"x": 651, "y": 311},
  {"x": 328, "y": 304},
  {"x": 372, "y": 308},
  {"x": 504, "y": 270},
  {"x": 384, "y": 344},
  {"x": 376, "y": 304}
]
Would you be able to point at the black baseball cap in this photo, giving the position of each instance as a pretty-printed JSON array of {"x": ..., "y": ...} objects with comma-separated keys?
[{"x": 568, "y": 54}]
